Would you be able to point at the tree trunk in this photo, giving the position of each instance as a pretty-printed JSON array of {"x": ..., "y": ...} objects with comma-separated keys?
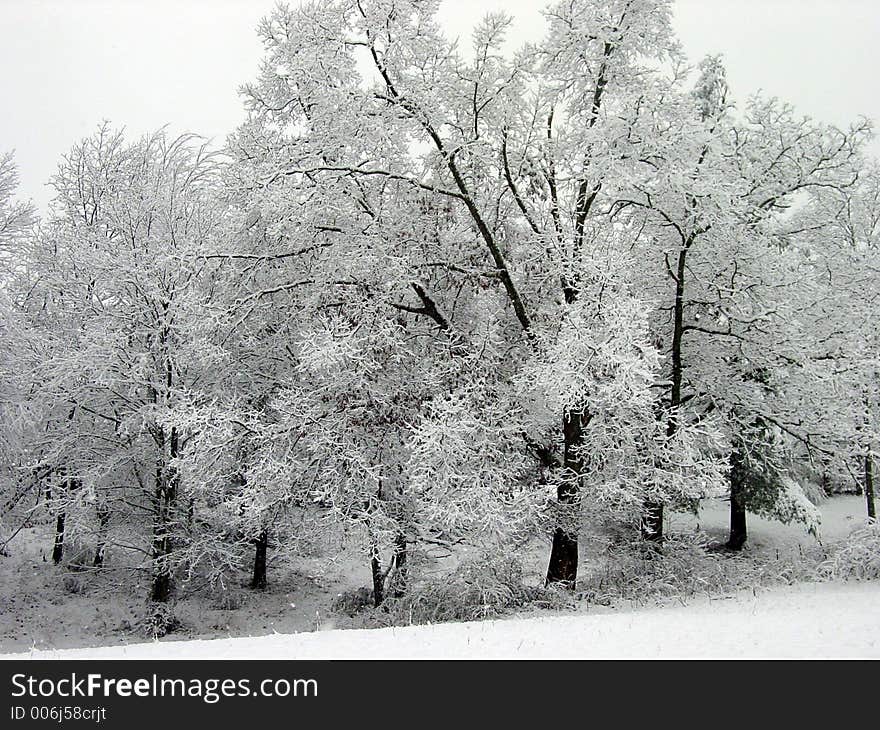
[
  {"x": 258, "y": 582},
  {"x": 167, "y": 479},
  {"x": 400, "y": 578},
  {"x": 161, "y": 588},
  {"x": 378, "y": 581},
  {"x": 58, "y": 546},
  {"x": 162, "y": 583},
  {"x": 738, "y": 531},
  {"x": 652, "y": 519},
  {"x": 869, "y": 485},
  {"x": 103, "y": 520},
  {"x": 563, "y": 565}
]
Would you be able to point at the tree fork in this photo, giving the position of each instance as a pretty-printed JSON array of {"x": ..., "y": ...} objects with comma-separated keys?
[{"x": 464, "y": 195}]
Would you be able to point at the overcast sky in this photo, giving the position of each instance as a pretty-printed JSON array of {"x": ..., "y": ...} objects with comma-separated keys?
[{"x": 65, "y": 65}]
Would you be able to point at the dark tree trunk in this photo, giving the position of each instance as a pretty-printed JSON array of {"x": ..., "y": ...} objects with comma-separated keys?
[
  {"x": 378, "y": 581},
  {"x": 652, "y": 519},
  {"x": 167, "y": 479},
  {"x": 103, "y": 521},
  {"x": 161, "y": 588},
  {"x": 58, "y": 546},
  {"x": 738, "y": 530},
  {"x": 563, "y": 565},
  {"x": 869, "y": 485},
  {"x": 162, "y": 582},
  {"x": 71, "y": 485},
  {"x": 400, "y": 578},
  {"x": 258, "y": 582}
]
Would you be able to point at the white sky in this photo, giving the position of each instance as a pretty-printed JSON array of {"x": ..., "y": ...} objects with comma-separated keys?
[{"x": 65, "y": 65}]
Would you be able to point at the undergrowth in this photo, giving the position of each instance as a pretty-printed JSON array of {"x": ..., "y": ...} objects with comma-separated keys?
[
  {"x": 627, "y": 572},
  {"x": 685, "y": 567},
  {"x": 857, "y": 557},
  {"x": 478, "y": 588}
]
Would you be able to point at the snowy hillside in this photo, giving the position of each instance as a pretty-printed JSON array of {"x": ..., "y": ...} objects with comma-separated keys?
[{"x": 815, "y": 620}]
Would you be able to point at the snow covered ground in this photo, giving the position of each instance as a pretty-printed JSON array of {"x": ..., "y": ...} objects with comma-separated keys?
[{"x": 807, "y": 620}]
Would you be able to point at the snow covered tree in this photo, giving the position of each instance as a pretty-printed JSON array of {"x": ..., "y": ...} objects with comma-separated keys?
[
  {"x": 720, "y": 261},
  {"x": 17, "y": 217},
  {"x": 441, "y": 293},
  {"x": 463, "y": 196},
  {"x": 839, "y": 247},
  {"x": 129, "y": 331},
  {"x": 20, "y": 349}
]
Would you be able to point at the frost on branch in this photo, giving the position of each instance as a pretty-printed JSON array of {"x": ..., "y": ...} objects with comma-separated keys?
[{"x": 470, "y": 474}]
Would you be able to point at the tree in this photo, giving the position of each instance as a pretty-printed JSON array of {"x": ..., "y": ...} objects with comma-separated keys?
[
  {"x": 460, "y": 197},
  {"x": 19, "y": 351},
  {"x": 17, "y": 217},
  {"x": 720, "y": 259},
  {"x": 131, "y": 328},
  {"x": 842, "y": 252}
]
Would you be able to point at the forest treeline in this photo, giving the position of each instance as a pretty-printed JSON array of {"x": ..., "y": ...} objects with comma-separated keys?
[{"x": 441, "y": 293}]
